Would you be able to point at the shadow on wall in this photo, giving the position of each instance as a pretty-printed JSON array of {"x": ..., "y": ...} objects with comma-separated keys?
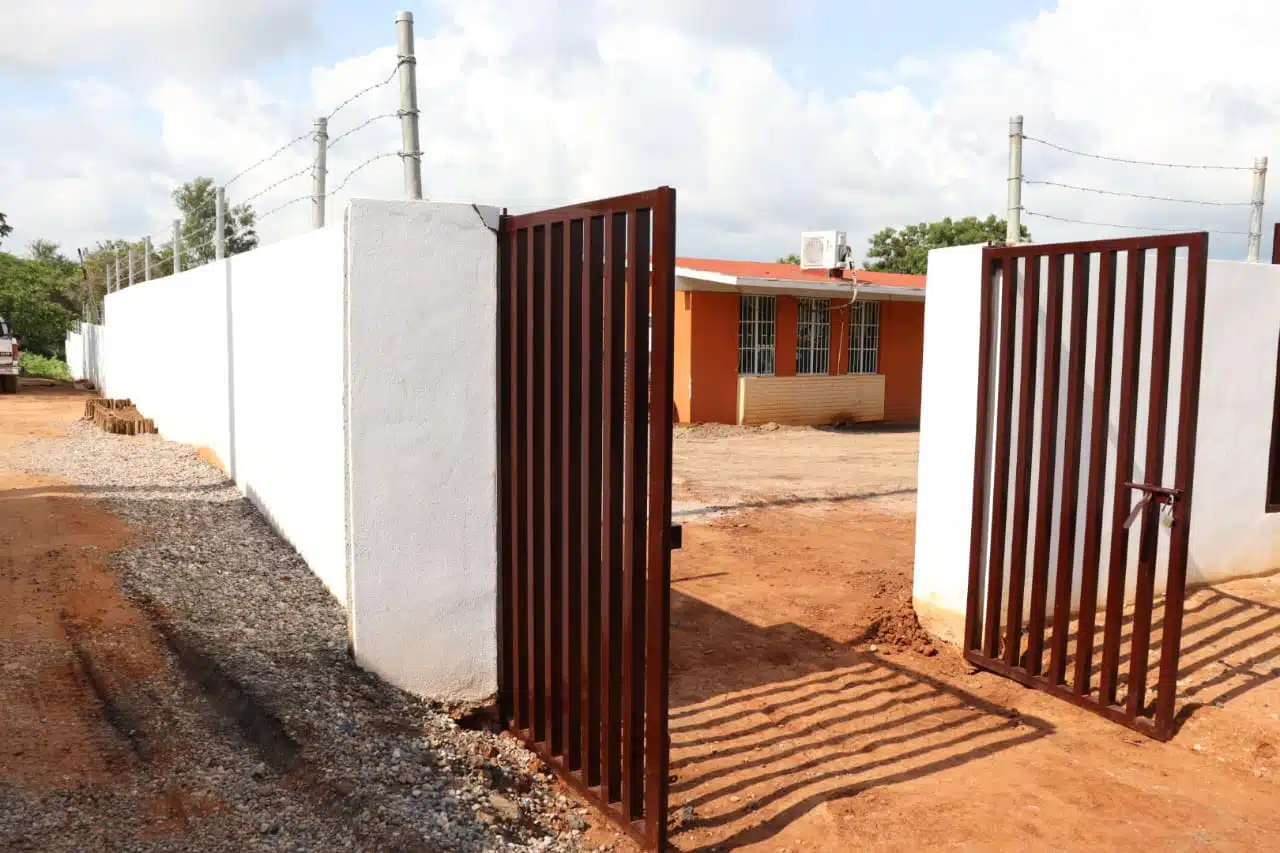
[{"x": 771, "y": 722}]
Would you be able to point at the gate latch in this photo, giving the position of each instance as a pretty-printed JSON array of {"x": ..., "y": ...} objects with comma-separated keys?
[
  {"x": 1152, "y": 495},
  {"x": 676, "y": 537}
]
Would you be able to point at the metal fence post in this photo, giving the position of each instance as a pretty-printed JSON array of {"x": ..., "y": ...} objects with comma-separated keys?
[
  {"x": 177, "y": 246},
  {"x": 318, "y": 173},
  {"x": 412, "y": 154},
  {"x": 1255, "y": 213},
  {"x": 146, "y": 258},
  {"x": 1013, "y": 235},
  {"x": 219, "y": 224}
]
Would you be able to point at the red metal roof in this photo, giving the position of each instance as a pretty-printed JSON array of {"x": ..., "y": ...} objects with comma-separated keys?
[{"x": 792, "y": 272}]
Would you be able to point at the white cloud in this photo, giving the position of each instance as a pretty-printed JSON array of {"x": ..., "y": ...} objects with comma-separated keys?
[
  {"x": 191, "y": 35},
  {"x": 532, "y": 104}
]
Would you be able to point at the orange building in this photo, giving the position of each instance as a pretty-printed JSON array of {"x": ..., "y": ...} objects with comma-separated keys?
[{"x": 758, "y": 343}]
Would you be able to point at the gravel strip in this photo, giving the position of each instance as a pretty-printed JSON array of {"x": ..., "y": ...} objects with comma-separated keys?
[{"x": 263, "y": 709}]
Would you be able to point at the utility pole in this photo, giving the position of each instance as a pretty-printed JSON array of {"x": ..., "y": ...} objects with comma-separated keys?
[
  {"x": 146, "y": 258},
  {"x": 412, "y": 154},
  {"x": 1014, "y": 233},
  {"x": 1255, "y": 212},
  {"x": 318, "y": 172},
  {"x": 177, "y": 246},
  {"x": 219, "y": 224}
]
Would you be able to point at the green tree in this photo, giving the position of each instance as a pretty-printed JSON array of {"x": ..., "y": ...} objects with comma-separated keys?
[
  {"x": 5, "y": 228},
  {"x": 195, "y": 200},
  {"x": 792, "y": 258},
  {"x": 32, "y": 300},
  {"x": 907, "y": 250}
]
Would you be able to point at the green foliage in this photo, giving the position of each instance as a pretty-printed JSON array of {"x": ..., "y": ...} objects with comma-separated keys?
[
  {"x": 792, "y": 258},
  {"x": 33, "y": 300},
  {"x": 196, "y": 200},
  {"x": 5, "y": 228},
  {"x": 48, "y": 368},
  {"x": 907, "y": 250}
]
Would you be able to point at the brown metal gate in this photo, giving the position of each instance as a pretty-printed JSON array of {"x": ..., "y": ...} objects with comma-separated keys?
[
  {"x": 587, "y": 307},
  {"x": 1063, "y": 447}
]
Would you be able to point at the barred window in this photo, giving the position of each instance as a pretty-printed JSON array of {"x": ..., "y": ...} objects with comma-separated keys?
[
  {"x": 756, "y": 335},
  {"x": 864, "y": 337},
  {"x": 813, "y": 337}
]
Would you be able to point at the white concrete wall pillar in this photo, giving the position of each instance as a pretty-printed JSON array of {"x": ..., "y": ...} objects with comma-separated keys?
[
  {"x": 422, "y": 469},
  {"x": 948, "y": 423}
]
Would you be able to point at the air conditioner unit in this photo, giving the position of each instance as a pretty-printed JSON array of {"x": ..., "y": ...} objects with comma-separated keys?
[{"x": 822, "y": 250}]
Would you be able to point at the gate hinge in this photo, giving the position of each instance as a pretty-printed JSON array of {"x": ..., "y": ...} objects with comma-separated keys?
[{"x": 675, "y": 540}]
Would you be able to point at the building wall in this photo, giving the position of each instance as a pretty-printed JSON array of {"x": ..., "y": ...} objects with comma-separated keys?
[
  {"x": 682, "y": 376},
  {"x": 805, "y": 400},
  {"x": 901, "y": 358},
  {"x": 714, "y": 348},
  {"x": 1231, "y": 533},
  {"x": 707, "y": 389}
]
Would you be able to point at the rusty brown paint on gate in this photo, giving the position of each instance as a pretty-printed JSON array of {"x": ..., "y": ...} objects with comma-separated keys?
[
  {"x": 1065, "y": 342},
  {"x": 584, "y": 641}
]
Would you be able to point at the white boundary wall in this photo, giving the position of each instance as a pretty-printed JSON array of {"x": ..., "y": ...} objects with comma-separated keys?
[
  {"x": 86, "y": 353},
  {"x": 1232, "y": 535},
  {"x": 346, "y": 379}
]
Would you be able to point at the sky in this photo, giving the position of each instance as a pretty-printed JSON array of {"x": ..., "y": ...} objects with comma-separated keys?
[{"x": 769, "y": 117}]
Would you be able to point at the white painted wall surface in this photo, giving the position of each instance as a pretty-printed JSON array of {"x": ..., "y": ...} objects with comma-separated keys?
[
  {"x": 167, "y": 352},
  {"x": 86, "y": 353},
  {"x": 287, "y": 448},
  {"x": 264, "y": 393},
  {"x": 1231, "y": 533},
  {"x": 422, "y": 444}
]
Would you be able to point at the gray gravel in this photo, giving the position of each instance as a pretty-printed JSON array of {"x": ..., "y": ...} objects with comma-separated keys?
[{"x": 263, "y": 716}]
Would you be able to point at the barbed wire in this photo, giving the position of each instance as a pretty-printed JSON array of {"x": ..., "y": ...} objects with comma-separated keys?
[
  {"x": 401, "y": 60},
  {"x": 273, "y": 155},
  {"x": 1130, "y": 227},
  {"x": 281, "y": 207},
  {"x": 283, "y": 180},
  {"x": 1134, "y": 162},
  {"x": 1137, "y": 195},
  {"x": 360, "y": 126},
  {"x": 372, "y": 159}
]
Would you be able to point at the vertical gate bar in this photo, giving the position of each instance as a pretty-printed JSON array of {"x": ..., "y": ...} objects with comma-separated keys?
[
  {"x": 506, "y": 469},
  {"x": 978, "y": 527},
  {"x": 1000, "y": 477},
  {"x": 658, "y": 591},
  {"x": 637, "y": 482},
  {"x": 1070, "y": 467},
  {"x": 1153, "y": 473},
  {"x": 611, "y": 578},
  {"x": 573, "y": 517},
  {"x": 592, "y": 475},
  {"x": 1099, "y": 427},
  {"x": 1184, "y": 472},
  {"x": 520, "y": 531},
  {"x": 1046, "y": 481},
  {"x": 538, "y": 480},
  {"x": 1022, "y": 474},
  {"x": 1135, "y": 277},
  {"x": 553, "y": 488}
]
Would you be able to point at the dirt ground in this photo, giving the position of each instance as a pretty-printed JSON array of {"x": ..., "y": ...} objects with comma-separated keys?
[{"x": 810, "y": 713}]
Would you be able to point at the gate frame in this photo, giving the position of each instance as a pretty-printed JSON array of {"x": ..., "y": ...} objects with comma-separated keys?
[
  {"x": 623, "y": 771},
  {"x": 982, "y": 642}
]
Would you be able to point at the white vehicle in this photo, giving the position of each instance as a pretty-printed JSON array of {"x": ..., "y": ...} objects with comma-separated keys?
[{"x": 8, "y": 359}]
